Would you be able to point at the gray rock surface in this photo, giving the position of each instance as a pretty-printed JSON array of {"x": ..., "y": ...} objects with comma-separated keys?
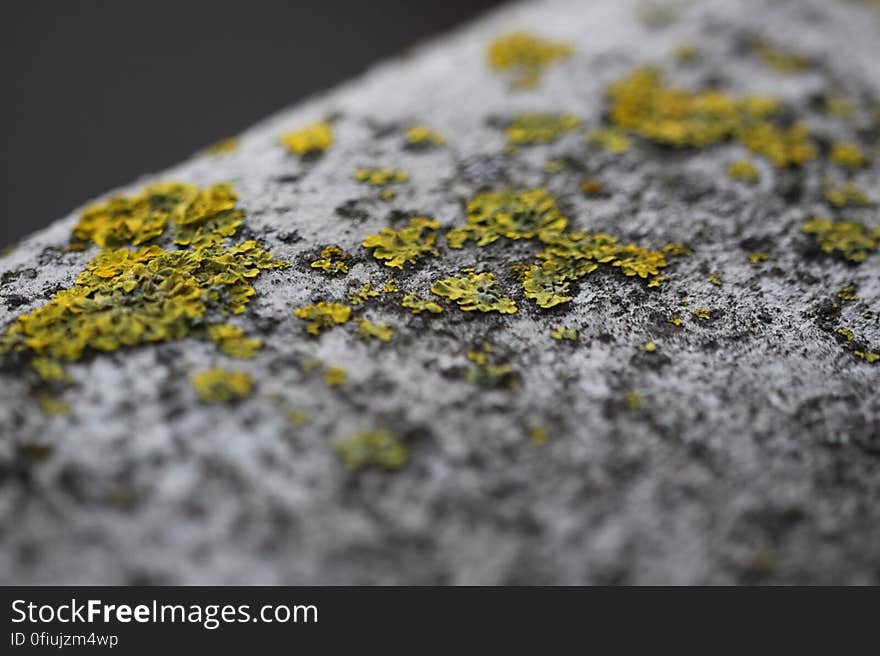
[{"x": 755, "y": 454}]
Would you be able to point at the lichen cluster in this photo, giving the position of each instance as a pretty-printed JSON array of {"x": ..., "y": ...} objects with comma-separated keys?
[
  {"x": 526, "y": 56},
  {"x": 221, "y": 386},
  {"x": 849, "y": 240},
  {"x": 475, "y": 292},
  {"x": 540, "y": 128},
  {"x": 378, "y": 448},
  {"x": 323, "y": 315},
  {"x": 407, "y": 245},
  {"x": 311, "y": 140},
  {"x": 333, "y": 260},
  {"x": 127, "y": 297},
  {"x": 423, "y": 137}
]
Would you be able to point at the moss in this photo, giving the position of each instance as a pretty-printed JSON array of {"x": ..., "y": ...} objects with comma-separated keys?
[
  {"x": 511, "y": 214},
  {"x": 312, "y": 140},
  {"x": 323, "y": 315},
  {"x": 476, "y": 292},
  {"x": 421, "y": 136},
  {"x": 332, "y": 261},
  {"x": 378, "y": 331},
  {"x": 848, "y": 155},
  {"x": 377, "y": 448},
  {"x": 380, "y": 177},
  {"x": 130, "y": 297},
  {"x": 407, "y": 245},
  {"x": 362, "y": 295},
  {"x": 525, "y": 56},
  {"x": 743, "y": 170},
  {"x": 416, "y": 304},
  {"x": 220, "y": 386},
  {"x": 849, "y": 240},
  {"x": 540, "y": 128},
  {"x": 335, "y": 376},
  {"x": 564, "y": 332},
  {"x": 545, "y": 285}
]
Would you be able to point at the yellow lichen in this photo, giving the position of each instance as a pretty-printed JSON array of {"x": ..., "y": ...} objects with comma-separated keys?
[
  {"x": 487, "y": 371},
  {"x": 476, "y": 292},
  {"x": 51, "y": 406},
  {"x": 232, "y": 341},
  {"x": 538, "y": 435},
  {"x": 714, "y": 280},
  {"x": 407, "y": 245},
  {"x": 849, "y": 240},
  {"x": 564, "y": 332},
  {"x": 837, "y": 106},
  {"x": 703, "y": 313},
  {"x": 374, "y": 330},
  {"x": 391, "y": 287},
  {"x": 611, "y": 140},
  {"x": 298, "y": 418},
  {"x": 131, "y": 297},
  {"x": 335, "y": 376},
  {"x": 510, "y": 214},
  {"x": 848, "y": 293},
  {"x": 676, "y": 321},
  {"x": 222, "y": 147},
  {"x": 545, "y": 285},
  {"x": 310, "y": 140},
  {"x": 378, "y": 448},
  {"x": 323, "y": 315},
  {"x": 848, "y": 195},
  {"x": 848, "y": 155},
  {"x": 416, "y": 304},
  {"x": 380, "y": 177},
  {"x": 633, "y": 400},
  {"x": 742, "y": 170},
  {"x": 758, "y": 257},
  {"x": 785, "y": 148},
  {"x": 220, "y": 386},
  {"x": 867, "y": 356},
  {"x": 362, "y": 295},
  {"x": 780, "y": 59},
  {"x": 592, "y": 188},
  {"x": 421, "y": 136},
  {"x": 845, "y": 332},
  {"x": 332, "y": 260},
  {"x": 540, "y": 128},
  {"x": 526, "y": 56},
  {"x": 685, "y": 52}
]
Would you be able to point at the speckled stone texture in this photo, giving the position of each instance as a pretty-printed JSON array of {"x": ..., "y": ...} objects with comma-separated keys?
[{"x": 755, "y": 454}]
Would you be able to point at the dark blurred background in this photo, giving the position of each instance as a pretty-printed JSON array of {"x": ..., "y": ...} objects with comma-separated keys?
[{"x": 96, "y": 93}]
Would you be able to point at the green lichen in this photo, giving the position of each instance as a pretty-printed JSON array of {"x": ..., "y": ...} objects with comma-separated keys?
[
  {"x": 476, "y": 292},
  {"x": 333, "y": 260},
  {"x": 380, "y": 449},
  {"x": 849, "y": 240},
  {"x": 218, "y": 385},
  {"x": 540, "y": 128},
  {"x": 322, "y": 316},
  {"x": 407, "y": 245},
  {"x": 128, "y": 297},
  {"x": 526, "y": 56}
]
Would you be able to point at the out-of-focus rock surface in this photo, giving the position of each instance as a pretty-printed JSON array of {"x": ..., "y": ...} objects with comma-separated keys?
[{"x": 750, "y": 451}]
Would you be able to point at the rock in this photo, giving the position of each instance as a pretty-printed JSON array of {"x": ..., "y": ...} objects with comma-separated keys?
[{"x": 718, "y": 427}]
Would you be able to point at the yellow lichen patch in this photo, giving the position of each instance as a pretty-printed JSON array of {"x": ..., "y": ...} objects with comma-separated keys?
[
  {"x": 848, "y": 155},
  {"x": 131, "y": 297},
  {"x": 742, "y": 170},
  {"x": 416, "y": 304},
  {"x": 676, "y": 321},
  {"x": 510, "y": 214},
  {"x": 387, "y": 195},
  {"x": 407, "y": 245},
  {"x": 649, "y": 347},
  {"x": 222, "y": 147},
  {"x": 677, "y": 249},
  {"x": 332, "y": 260},
  {"x": 783, "y": 147},
  {"x": 48, "y": 369},
  {"x": 538, "y": 435},
  {"x": 220, "y": 386},
  {"x": 310, "y": 140},
  {"x": 51, "y": 406},
  {"x": 703, "y": 313},
  {"x": 635, "y": 260},
  {"x": 487, "y": 371},
  {"x": 633, "y": 400},
  {"x": 564, "y": 332},
  {"x": 142, "y": 217},
  {"x": 867, "y": 356},
  {"x": 298, "y": 418},
  {"x": 362, "y": 295},
  {"x": 540, "y": 128},
  {"x": 391, "y": 287},
  {"x": 232, "y": 341},
  {"x": 378, "y": 331},
  {"x": 849, "y": 195},
  {"x": 380, "y": 177},
  {"x": 611, "y": 140},
  {"x": 421, "y": 136},
  {"x": 323, "y": 315},
  {"x": 526, "y": 56},
  {"x": 714, "y": 280},
  {"x": 780, "y": 59},
  {"x": 849, "y": 240},
  {"x": 845, "y": 332},
  {"x": 685, "y": 53},
  {"x": 592, "y": 188},
  {"x": 848, "y": 293},
  {"x": 476, "y": 292},
  {"x": 758, "y": 257},
  {"x": 545, "y": 285},
  {"x": 837, "y": 106},
  {"x": 378, "y": 448},
  {"x": 335, "y": 376}
]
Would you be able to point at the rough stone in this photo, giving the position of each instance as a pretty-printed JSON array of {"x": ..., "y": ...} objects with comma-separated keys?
[{"x": 750, "y": 451}]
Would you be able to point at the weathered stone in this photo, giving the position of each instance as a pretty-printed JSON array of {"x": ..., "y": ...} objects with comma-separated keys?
[{"x": 742, "y": 447}]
